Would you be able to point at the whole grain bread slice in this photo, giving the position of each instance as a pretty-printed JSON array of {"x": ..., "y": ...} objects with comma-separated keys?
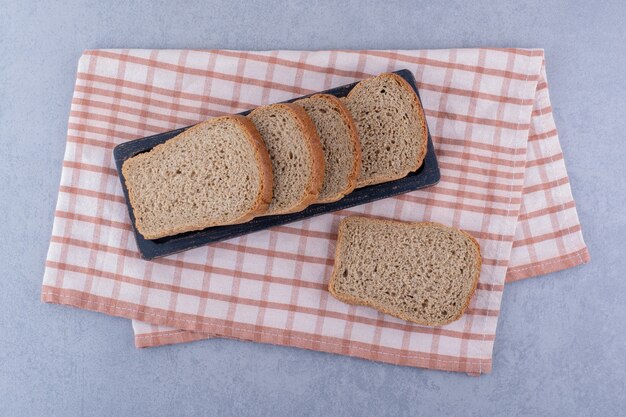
[
  {"x": 391, "y": 126},
  {"x": 215, "y": 173},
  {"x": 296, "y": 154},
  {"x": 340, "y": 143},
  {"x": 425, "y": 273}
]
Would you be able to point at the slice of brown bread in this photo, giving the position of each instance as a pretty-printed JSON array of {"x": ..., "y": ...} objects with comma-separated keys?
[
  {"x": 391, "y": 126},
  {"x": 340, "y": 143},
  {"x": 215, "y": 173},
  {"x": 425, "y": 273},
  {"x": 296, "y": 154}
]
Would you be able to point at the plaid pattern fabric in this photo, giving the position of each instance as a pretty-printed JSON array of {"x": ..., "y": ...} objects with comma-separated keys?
[{"x": 503, "y": 181}]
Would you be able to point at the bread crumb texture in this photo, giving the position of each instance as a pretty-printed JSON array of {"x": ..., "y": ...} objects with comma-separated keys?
[{"x": 422, "y": 272}]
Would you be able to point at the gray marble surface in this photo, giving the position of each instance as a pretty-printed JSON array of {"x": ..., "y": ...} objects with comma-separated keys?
[{"x": 560, "y": 349}]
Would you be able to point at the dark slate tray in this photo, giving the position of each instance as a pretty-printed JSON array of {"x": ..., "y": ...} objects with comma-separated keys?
[{"x": 425, "y": 176}]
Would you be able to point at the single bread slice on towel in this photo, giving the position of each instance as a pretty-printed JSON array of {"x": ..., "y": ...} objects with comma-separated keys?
[
  {"x": 296, "y": 154},
  {"x": 425, "y": 273},
  {"x": 391, "y": 126},
  {"x": 340, "y": 143},
  {"x": 215, "y": 173}
]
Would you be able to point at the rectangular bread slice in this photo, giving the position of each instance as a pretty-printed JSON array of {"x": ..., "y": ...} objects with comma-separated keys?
[
  {"x": 425, "y": 273},
  {"x": 391, "y": 127},
  {"x": 340, "y": 143},
  {"x": 215, "y": 173},
  {"x": 296, "y": 154}
]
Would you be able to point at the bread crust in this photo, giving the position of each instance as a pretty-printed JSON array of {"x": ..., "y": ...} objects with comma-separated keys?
[
  {"x": 265, "y": 173},
  {"x": 313, "y": 142},
  {"x": 355, "y": 301},
  {"x": 420, "y": 116},
  {"x": 346, "y": 116}
]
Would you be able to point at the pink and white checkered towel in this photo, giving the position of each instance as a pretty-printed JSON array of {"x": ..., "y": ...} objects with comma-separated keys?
[{"x": 503, "y": 180}]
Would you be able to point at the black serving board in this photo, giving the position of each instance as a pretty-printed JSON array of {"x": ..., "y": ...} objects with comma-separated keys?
[{"x": 425, "y": 176}]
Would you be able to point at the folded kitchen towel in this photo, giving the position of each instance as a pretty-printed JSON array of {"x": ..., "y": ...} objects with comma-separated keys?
[{"x": 503, "y": 180}]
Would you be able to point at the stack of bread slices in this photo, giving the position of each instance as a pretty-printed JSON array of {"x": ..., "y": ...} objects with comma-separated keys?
[{"x": 279, "y": 159}]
